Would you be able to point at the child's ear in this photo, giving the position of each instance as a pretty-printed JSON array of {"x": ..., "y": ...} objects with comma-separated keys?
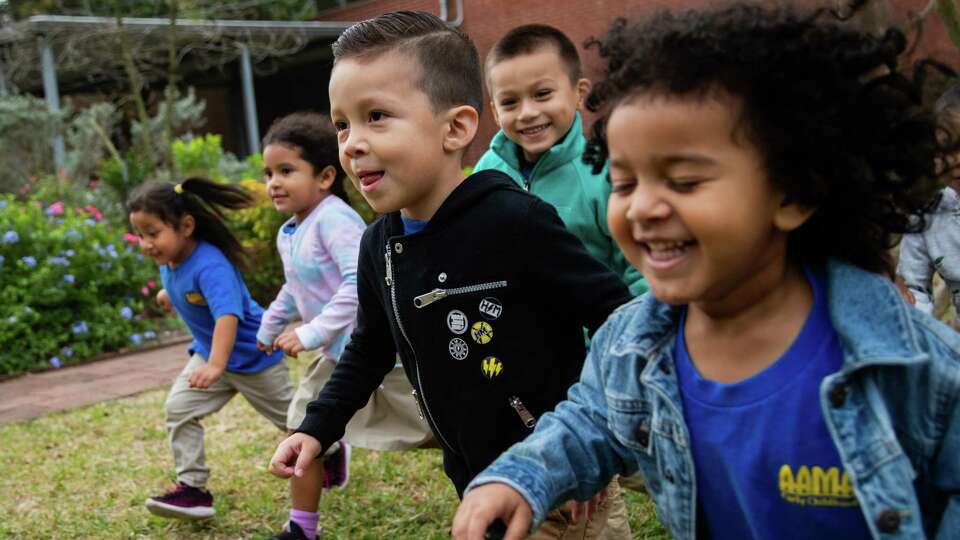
[
  {"x": 187, "y": 225},
  {"x": 327, "y": 177},
  {"x": 583, "y": 90},
  {"x": 790, "y": 216},
  {"x": 460, "y": 127}
]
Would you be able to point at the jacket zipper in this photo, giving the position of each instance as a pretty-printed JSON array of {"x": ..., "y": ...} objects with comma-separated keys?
[
  {"x": 425, "y": 300},
  {"x": 424, "y": 408},
  {"x": 524, "y": 414},
  {"x": 416, "y": 399}
]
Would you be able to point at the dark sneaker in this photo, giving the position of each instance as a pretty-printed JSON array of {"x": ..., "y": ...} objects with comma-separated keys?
[
  {"x": 292, "y": 531},
  {"x": 336, "y": 467},
  {"x": 183, "y": 502}
]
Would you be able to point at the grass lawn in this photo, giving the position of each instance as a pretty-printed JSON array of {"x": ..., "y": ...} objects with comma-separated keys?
[{"x": 86, "y": 473}]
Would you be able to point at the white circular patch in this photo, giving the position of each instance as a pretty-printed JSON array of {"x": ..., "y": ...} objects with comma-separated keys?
[
  {"x": 457, "y": 321},
  {"x": 458, "y": 348}
]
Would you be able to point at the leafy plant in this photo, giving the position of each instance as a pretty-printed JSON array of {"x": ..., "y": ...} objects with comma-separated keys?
[{"x": 70, "y": 286}]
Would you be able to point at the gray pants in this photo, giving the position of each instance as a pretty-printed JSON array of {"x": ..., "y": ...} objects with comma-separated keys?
[{"x": 269, "y": 392}]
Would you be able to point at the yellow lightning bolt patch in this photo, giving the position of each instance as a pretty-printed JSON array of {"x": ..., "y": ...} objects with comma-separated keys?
[{"x": 491, "y": 367}]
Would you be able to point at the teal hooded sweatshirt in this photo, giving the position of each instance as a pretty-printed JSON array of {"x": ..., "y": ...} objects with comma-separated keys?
[{"x": 562, "y": 179}]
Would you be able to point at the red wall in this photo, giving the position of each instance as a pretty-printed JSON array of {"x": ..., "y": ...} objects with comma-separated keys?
[{"x": 487, "y": 20}]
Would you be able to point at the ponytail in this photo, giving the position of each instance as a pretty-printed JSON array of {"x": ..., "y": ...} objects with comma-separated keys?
[{"x": 203, "y": 199}]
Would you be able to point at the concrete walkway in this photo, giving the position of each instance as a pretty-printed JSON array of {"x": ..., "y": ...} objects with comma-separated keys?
[{"x": 34, "y": 395}]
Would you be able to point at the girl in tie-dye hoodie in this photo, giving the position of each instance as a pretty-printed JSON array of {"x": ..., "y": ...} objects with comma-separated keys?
[{"x": 319, "y": 247}]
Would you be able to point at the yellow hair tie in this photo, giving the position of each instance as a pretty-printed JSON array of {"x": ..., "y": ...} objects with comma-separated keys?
[{"x": 178, "y": 189}]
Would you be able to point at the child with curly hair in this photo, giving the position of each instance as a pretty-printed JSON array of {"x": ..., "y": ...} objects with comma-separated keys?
[{"x": 775, "y": 384}]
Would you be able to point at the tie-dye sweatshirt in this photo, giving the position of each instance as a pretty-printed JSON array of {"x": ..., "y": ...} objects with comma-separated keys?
[{"x": 320, "y": 266}]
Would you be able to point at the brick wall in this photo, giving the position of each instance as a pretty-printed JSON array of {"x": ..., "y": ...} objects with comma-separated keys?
[{"x": 487, "y": 20}]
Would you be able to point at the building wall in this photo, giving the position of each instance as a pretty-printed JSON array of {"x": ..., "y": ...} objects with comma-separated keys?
[{"x": 486, "y": 20}]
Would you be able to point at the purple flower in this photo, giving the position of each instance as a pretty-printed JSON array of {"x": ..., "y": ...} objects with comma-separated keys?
[
  {"x": 67, "y": 351},
  {"x": 89, "y": 222},
  {"x": 55, "y": 362},
  {"x": 69, "y": 253},
  {"x": 81, "y": 328},
  {"x": 150, "y": 334},
  {"x": 69, "y": 278},
  {"x": 3, "y": 203},
  {"x": 59, "y": 261},
  {"x": 126, "y": 312},
  {"x": 136, "y": 339},
  {"x": 29, "y": 261},
  {"x": 11, "y": 237},
  {"x": 1, "y": 260},
  {"x": 73, "y": 235}
]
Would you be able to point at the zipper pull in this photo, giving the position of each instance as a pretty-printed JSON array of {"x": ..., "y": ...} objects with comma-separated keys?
[
  {"x": 389, "y": 276},
  {"x": 425, "y": 300},
  {"x": 522, "y": 412},
  {"x": 416, "y": 399}
]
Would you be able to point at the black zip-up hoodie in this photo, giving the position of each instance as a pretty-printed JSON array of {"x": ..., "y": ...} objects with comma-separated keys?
[{"x": 486, "y": 306}]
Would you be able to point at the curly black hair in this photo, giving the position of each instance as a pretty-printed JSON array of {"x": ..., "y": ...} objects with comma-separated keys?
[
  {"x": 840, "y": 126},
  {"x": 314, "y": 136}
]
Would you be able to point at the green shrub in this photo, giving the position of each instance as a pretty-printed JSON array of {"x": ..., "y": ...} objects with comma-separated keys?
[
  {"x": 70, "y": 286},
  {"x": 257, "y": 228}
]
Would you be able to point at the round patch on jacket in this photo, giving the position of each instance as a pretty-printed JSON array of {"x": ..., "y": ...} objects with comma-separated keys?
[
  {"x": 490, "y": 308},
  {"x": 457, "y": 321},
  {"x": 491, "y": 367},
  {"x": 481, "y": 332},
  {"x": 458, "y": 348}
]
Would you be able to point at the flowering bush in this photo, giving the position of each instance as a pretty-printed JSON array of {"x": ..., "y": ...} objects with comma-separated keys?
[{"x": 70, "y": 286}]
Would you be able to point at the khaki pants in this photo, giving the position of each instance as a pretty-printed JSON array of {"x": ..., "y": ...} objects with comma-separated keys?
[
  {"x": 389, "y": 421},
  {"x": 269, "y": 392},
  {"x": 608, "y": 523}
]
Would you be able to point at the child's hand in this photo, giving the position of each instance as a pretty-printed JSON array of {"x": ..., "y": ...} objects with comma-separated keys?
[
  {"x": 264, "y": 347},
  {"x": 298, "y": 450},
  {"x": 289, "y": 343},
  {"x": 486, "y": 503},
  {"x": 579, "y": 509},
  {"x": 205, "y": 375},
  {"x": 163, "y": 300}
]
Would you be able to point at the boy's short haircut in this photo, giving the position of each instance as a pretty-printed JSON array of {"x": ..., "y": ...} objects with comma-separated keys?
[
  {"x": 839, "y": 126},
  {"x": 449, "y": 62},
  {"x": 530, "y": 38}
]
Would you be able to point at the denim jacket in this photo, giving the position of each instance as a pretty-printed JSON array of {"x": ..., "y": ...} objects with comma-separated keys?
[{"x": 893, "y": 411}]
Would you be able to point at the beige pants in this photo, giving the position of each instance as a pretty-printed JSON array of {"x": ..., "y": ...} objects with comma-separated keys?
[
  {"x": 608, "y": 523},
  {"x": 390, "y": 419},
  {"x": 268, "y": 391}
]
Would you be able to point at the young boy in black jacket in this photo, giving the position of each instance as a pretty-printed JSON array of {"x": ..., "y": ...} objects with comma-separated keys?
[{"x": 476, "y": 283}]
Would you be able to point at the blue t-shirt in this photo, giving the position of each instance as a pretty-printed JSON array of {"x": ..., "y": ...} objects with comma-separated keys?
[
  {"x": 412, "y": 226},
  {"x": 206, "y": 287},
  {"x": 766, "y": 467}
]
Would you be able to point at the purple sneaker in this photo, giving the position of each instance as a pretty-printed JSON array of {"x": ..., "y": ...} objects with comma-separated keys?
[
  {"x": 183, "y": 502},
  {"x": 336, "y": 467}
]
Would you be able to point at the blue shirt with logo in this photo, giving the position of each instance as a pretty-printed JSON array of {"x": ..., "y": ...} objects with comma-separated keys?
[
  {"x": 766, "y": 467},
  {"x": 206, "y": 287}
]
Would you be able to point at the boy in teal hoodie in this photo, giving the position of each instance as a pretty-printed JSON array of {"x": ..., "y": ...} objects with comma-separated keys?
[{"x": 533, "y": 75}]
